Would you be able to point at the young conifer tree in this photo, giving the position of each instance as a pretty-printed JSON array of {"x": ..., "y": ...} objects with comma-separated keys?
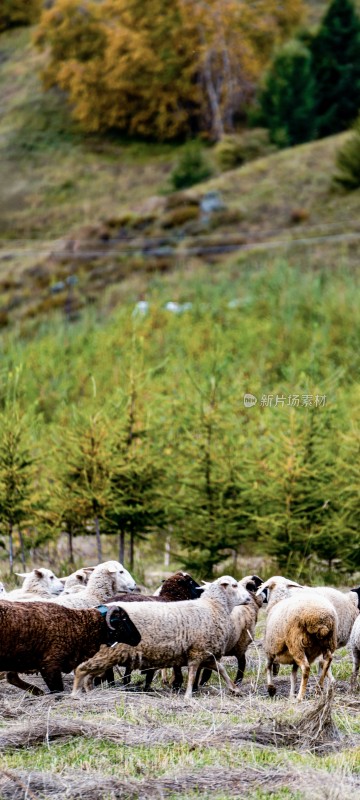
[
  {"x": 336, "y": 67},
  {"x": 17, "y": 480},
  {"x": 287, "y": 98}
]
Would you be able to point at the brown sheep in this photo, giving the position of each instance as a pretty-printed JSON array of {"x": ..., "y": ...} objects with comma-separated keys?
[
  {"x": 51, "y": 639},
  {"x": 299, "y": 629}
]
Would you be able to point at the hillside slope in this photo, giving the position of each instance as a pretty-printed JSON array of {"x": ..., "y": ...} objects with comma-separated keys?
[{"x": 93, "y": 214}]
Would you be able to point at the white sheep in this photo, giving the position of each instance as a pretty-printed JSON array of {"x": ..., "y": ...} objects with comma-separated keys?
[
  {"x": 243, "y": 619},
  {"x": 299, "y": 629},
  {"x": 106, "y": 580},
  {"x": 40, "y": 583},
  {"x": 185, "y": 633},
  {"x": 77, "y": 580},
  {"x": 355, "y": 649}
]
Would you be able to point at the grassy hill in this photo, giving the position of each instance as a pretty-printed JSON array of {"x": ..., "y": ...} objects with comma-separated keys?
[{"x": 100, "y": 210}]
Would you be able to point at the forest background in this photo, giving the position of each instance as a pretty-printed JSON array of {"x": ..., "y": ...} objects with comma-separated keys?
[{"x": 179, "y": 230}]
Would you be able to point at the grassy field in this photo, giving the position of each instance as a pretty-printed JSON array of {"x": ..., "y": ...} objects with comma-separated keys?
[{"x": 128, "y": 744}]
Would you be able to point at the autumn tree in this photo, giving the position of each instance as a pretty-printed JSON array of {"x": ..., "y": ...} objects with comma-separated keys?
[
  {"x": 161, "y": 70},
  {"x": 18, "y": 12}
]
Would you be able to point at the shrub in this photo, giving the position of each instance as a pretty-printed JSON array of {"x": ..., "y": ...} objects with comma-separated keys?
[
  {"x": 192, "y": 167},
  {"x": 18, "y": 12},
  {"x": 348, "y": 160},
  {"x": 233, "y": 150},
  {"x": 180, "y": 216}
]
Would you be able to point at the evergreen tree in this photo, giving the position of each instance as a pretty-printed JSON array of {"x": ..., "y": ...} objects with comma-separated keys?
[
  {"x": 135, "y": 499},
  {"x": 297, "y": 501},
  {"x": 211, "y": 512},
  {"x": 287, "y": 99},
  {"x": 336, "y": 68},
  {"x": 82, "y": 497},
  {"x": 17, "y": 474}
]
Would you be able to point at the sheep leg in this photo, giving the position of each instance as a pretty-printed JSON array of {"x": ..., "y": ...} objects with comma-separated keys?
[
  {"x": 149, "y": 677},
  {"x": 192, "y": 670},
  {"x": 269, "y": 676},
  {"x": 218, "y": 667},
  {"x": 320, "y": 670},
  {"x": 304, "y": 665},
  {"x": 108, "y": 676},
  {"x": 229, "y": 683},
  {"x": 127, "y": 675},
  {"x": 293, "y": 677},
  {"x": 53, "y": 680},
  {"x": 178, "y": 679},
  {"x": 205, "y": 677},
  {"x": 164, "y": 677},
  {"x": 15, "y": 680},
  {"x": 356, "y": 665},
  {"x": 241, "y": 668},
  {"x": 327, "y": 659}
]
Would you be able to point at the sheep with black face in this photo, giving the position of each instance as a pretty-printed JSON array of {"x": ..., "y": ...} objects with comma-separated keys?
[{"x": 51, "y": 639}]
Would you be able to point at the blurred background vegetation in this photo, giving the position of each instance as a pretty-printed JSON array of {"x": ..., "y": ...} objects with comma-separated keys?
[{"x": 179, "y": 204}]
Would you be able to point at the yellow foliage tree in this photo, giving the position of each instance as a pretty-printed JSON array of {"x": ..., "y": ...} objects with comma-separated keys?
[
  {"x": 18, "y": 12},
  {"x": 161, "y": 69}
]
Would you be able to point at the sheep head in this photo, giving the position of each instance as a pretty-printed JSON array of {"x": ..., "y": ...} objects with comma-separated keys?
[{"x": 120, "y": 627}]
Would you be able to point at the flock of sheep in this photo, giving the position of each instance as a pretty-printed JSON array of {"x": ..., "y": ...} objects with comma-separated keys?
[{"x": 95, "y": 620}]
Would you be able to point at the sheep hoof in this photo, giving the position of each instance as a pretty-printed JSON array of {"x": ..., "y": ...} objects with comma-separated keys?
[{"x": 272, "y": 690}]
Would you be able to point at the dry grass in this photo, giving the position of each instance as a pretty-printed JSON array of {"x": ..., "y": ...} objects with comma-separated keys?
[{"x": 114, "y": 743}]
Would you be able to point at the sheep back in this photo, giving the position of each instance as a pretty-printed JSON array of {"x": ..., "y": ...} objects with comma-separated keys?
[{"x": 303, "y": 621}]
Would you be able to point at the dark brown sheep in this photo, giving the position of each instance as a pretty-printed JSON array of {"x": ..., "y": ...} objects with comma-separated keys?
[
  {"x": 180, "y": 586},
  {"x": 51, "y": 639}
]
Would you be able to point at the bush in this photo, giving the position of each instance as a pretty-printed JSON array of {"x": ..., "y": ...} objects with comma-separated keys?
[
  {"x": 348, "y": 160},
  {"x": 192, "y": 167},
  {"x": 234, "y": 150},
  {"x": 18, "y": 12}
]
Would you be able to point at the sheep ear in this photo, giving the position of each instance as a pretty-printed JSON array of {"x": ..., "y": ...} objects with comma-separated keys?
[
  {"x": 293, "y": 584},
  {"x": 39, "y": 573},
  {"x": 258, "y": 581},
  {"x": 206, "y": 583},
  {"x": 88, "y": 569},
  {"x": 251, "y": 586},
  {"x": 22, "y": 574},
  {"x": 224, "y": 584},
  {"x": 357, "y": 591},
  {"x": 199, "y": 589}
]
